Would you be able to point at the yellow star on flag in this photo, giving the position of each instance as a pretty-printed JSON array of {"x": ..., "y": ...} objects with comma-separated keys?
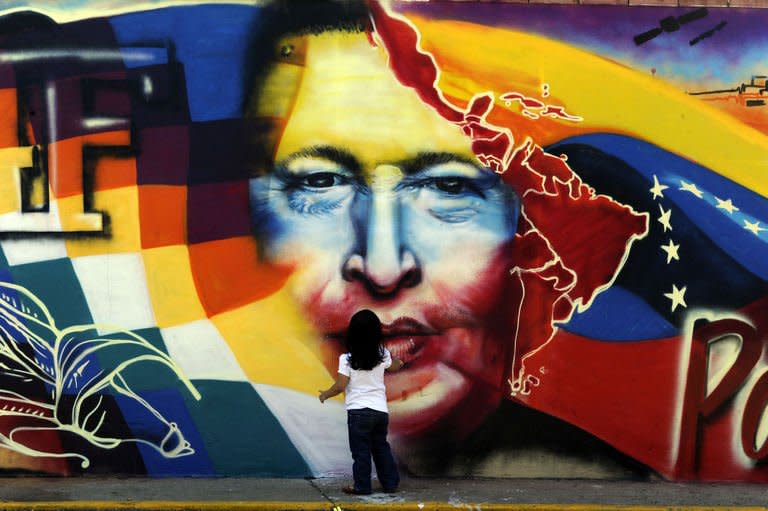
[
  {"x": 657, "y": 188},
  {"x": 753, "y": 227},
  {"x": 677, "y": 296},
  {"x": 665, "y": 218},
  {"x": 691, "y": 187},
  {"x": 671, "y": 250},
  {"x": 726, "y": 205}
]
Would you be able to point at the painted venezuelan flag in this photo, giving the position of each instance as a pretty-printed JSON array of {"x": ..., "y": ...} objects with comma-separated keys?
[{"x": 618, "y": 368}]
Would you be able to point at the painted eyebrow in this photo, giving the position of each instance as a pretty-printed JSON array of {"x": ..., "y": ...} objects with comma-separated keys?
[
  {"x": 409, "y": 166},
  {"x": 330, "y": 153},
  {"x": 430, "y": 159}
]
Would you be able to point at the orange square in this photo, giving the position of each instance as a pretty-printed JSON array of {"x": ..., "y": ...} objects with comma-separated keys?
[
  {"x": 8, "y": 118},
  {"x": 30, "y": 132},
  {"x": 162, "y": 215},
  {"x": 228, "y": 273},
  {"x": 112, "y": 172},
  {"x": 65, "y": 160},
  {"x": 65, "y": 167}
]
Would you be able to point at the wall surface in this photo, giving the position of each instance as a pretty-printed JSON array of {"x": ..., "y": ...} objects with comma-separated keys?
[{"x": 559, "y": 213}]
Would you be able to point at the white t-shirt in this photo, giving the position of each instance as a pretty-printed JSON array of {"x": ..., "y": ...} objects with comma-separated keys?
[{"x": 365, "y": 388}]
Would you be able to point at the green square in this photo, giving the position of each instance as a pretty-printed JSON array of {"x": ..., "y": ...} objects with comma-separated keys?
[
  {"x": 145, "y": 375},
  {"x": 57, "y": 286},
  {"x": 3, "y": 260},
  {"x": 241, "y": 435}
]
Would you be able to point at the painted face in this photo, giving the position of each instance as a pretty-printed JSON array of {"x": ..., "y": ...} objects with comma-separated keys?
[{"x": 379, "y": 203}]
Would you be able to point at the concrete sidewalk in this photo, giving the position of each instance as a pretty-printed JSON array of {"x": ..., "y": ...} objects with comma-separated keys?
[{"x": 325, "y": 494}]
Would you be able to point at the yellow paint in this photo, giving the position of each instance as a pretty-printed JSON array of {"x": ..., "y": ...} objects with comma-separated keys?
[
  {"x": 74, "y": 219},
  {"x": 610, "y": 97},
  {"x": 342, "y": 90},
  {"x": 11, "y": 160},
  {"x": 37, "y": 194},
  {"x": 171, "y": 286},
  {"x": 274, "y": 344},
  {"x": 122, "y": 206},
  {"x": 384, "y": 178},
  {"x": 278, "y": 91}
]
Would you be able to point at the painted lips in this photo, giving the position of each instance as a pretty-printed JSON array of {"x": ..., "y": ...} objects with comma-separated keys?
[
  {"x": 406, "y": 349},
  {"x": 405, "y": 338}
]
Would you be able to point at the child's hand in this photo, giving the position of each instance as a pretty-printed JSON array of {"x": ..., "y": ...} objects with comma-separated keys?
[{"x": 334, "y": 390}]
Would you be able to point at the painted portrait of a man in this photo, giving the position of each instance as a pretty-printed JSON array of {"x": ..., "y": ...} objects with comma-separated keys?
[
  {"x": 380, "y": 194},
  {"x": 558, "y": 213}
]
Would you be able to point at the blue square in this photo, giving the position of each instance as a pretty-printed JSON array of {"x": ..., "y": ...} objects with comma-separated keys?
[{"x": 170, "y": 404}]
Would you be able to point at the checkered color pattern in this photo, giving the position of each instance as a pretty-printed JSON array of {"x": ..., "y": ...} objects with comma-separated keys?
[{"x": 178, "y": 264}]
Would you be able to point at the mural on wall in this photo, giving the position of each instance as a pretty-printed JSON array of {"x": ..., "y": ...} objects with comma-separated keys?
[
  {"x": 558, "y": 212},
  {"x": 54, "y": 384}
]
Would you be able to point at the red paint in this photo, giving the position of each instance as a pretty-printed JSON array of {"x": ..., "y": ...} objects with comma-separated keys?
[
  {"x": 412, "y": 68},
  {"x": 526, "y": 101},
  {"x": 625, "y": 393},
  {"x": 564, "y": 213},
  {"x": 753, "y": 411},
  {"x": 559, "y": 112},
  {"x": 544, "y": 110},
  {"x": 697, "y": 405}
]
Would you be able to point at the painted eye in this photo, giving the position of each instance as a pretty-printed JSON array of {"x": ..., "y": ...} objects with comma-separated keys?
[
  {"x": 322, "y": 180},
  {"x": 451, "y": 185},
  {"x": 455, "y": 186}
]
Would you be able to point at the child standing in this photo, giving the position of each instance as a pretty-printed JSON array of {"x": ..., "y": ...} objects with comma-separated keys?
[{"x": 361, "y": 376}]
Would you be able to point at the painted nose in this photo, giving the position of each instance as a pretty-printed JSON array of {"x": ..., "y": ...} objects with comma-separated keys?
[{"x": 386, "y": 264}]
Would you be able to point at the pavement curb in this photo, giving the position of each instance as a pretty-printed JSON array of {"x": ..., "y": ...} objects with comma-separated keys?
[{"x": 161, "y": 505}]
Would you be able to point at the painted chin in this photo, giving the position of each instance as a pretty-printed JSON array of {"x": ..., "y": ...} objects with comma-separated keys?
[
  {"x": 428, "y": 388},
  {"x": 419, "y": 397}
]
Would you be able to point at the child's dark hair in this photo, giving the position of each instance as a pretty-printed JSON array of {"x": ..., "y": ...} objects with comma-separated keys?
[{"x": 364, "y": 341}]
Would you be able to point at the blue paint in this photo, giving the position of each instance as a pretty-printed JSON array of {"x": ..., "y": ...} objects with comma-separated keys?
[
  {"x": 749, "y": 250},
  {"x": 620, "y": 315},
  {"x": 209, "y": 40}
]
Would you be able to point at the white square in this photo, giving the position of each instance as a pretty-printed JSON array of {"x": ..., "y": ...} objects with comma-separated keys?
[
  {"x": 37, "y": 247},
  {"x": 317, "y": 430},
  {"x": 115, "y": 286},
  {"x": 201, "y": 352},
  {"x": 33, "y": 250}
]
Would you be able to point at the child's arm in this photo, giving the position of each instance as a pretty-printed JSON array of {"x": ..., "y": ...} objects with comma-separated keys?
[
  {"x": 337, "y": 388},
  {"x": 397, "y": 364}
]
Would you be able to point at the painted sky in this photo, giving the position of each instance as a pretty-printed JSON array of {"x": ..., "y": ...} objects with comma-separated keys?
[
  {"x": 727, "y": 58},
  {"x": 70, "y": 10}
]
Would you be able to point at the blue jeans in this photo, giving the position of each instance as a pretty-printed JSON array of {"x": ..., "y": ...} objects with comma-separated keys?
[{"x": 368, "y": 438}]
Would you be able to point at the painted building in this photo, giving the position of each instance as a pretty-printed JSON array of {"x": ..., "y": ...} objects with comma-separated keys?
[{"x": 558, "y": 212}]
